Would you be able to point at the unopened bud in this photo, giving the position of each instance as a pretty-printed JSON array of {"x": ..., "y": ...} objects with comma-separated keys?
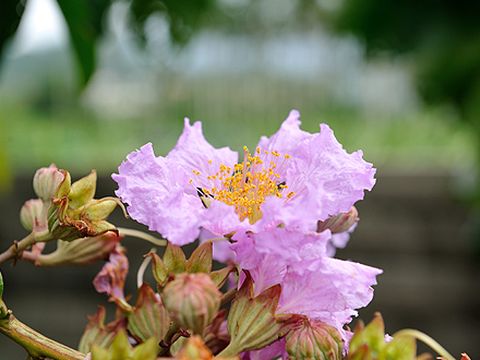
[
  {"x": 339, "y": 223},
  {"x": 193, "y": 300},
  {"x": 314, "y": 340},
  {"x": 194, "y": 349},
  {"x": 33, "y": 217},
  {"x": 81, "y": 251},
  {"x": 46, "y": 182}
]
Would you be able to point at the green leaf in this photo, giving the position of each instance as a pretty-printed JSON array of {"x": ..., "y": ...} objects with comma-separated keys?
[
  {"x": 373, "y": 335},
  {"x": 401, "y": 348},
  {"x": 85, "y": 24},
  {"x": 122, "y": 350},
  {"x": 146, "y": 351},
  {"x": 99, "y": 334},
  {"x": 201, "y": 259},
  {"x": 174, "y": 259}
]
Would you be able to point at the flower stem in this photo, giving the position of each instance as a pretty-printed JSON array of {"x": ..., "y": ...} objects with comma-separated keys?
[
  {"x": 17, "y": 247},
  {"x": 36, "y": 344},
  {"x": 141, "y": 235},
  {"x": 426, "y": 340}
]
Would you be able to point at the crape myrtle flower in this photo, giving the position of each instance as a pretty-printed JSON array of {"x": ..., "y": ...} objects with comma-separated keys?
[
  {"x": 313, "y": 283},
  {"x": 293, "y": 179}
]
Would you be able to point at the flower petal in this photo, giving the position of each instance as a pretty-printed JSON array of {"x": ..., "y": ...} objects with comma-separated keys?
[
  {"x": 194, "y": 154},
  {"x": 158, "y": 195},
  {"x": 326, "y": 179}
]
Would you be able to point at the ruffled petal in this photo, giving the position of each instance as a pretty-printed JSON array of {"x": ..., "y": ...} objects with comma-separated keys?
[
  {"x": 155, "y": 191},
  {"x": 326, "y": 179},
  {"x": 287, "y": 138},
  {"x": 197, "y": 157},
  {"x": 332, "y": 293},
  {"x": 284, "y": 247}
]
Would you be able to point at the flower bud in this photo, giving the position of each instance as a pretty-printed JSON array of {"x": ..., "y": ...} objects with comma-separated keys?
[
  {"x": 314, "y": 340},
  {"x": 46, "y": 182},
  {"x": 33, "y": 217},
  {"x": 193, "y": 300},
  {"x": 194, "y": 349},
  {"x": 81, "y": 251},
  {"x": 339, "y": 223}
]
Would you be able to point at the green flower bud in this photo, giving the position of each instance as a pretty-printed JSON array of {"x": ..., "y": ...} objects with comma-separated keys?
[
  {"x": 46, "y": 182},
  {"x": 193, "y": 300},
  {"x": 339, "y": 223},
  {"x": 314, "y": 340}
]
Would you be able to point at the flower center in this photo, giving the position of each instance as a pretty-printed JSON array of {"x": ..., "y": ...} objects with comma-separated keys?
[{"x": 248, "y": 184}]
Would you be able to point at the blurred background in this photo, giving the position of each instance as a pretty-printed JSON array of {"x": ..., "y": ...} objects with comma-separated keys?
[{"x": 83, "y": 83}]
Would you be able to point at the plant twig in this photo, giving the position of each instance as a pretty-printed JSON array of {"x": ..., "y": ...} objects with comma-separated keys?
[
  {"x": 36, "y": 344},
  {"x": 17, "y": 247}
]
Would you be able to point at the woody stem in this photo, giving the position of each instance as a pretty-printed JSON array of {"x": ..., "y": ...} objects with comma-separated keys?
[
  {"x": 36, "y": 344},
  {"x": 17, "y": 247}
]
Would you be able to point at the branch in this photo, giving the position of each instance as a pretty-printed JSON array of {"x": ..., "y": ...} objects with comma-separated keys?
[
  {"x": 17, "y": 247},
  {"x": 36, "y": 344}
]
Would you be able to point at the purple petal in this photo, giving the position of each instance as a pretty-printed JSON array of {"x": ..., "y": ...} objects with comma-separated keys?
[
  {"x": 194, "y": 154},
  {"x": 158, "y": 195}
]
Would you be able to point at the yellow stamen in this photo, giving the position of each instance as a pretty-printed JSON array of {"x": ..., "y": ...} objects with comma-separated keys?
[{"x": 247, "y": 187}]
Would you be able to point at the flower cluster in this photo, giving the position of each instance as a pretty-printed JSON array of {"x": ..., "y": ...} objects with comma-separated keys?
[
  {"x": 277, "y": 213},
  {"x": 274, "y": 217}
]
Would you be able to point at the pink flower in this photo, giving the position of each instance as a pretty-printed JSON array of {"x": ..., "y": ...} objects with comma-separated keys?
[
  {"x": 111, "y": 279},
  {"x": 313, "y": 283},
  {"x": 293, "y": 179}
]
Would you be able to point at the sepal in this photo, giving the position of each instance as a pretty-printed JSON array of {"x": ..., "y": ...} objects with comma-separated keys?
[
  {"x": 251, "y": 321},
  {"x": 98, "y": 333},
  {"x": 149, "y": 318}
]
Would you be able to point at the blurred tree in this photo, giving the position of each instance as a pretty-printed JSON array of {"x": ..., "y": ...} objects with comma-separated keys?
[
  {"x": 442, "y": 37},
  {"x": 85, "y": 21},
  {"x": 11, "y": 12}
]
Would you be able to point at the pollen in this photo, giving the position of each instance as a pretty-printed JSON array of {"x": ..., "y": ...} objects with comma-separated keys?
[{"x": 248, "y": 184}]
